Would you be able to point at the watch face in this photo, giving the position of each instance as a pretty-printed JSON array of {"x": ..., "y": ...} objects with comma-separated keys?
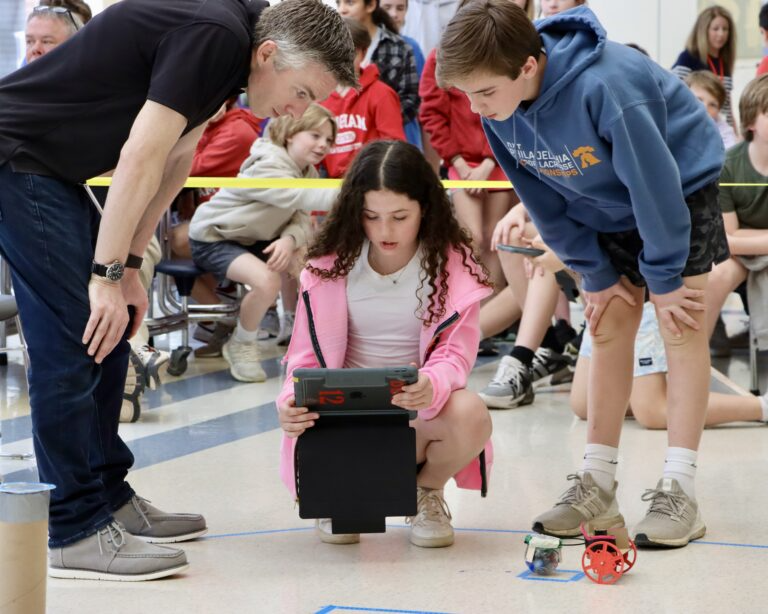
[{"x": 115, "y": 271}]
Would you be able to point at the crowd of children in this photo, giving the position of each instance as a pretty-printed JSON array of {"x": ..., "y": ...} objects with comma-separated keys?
[{"x": 623, "y": 198}]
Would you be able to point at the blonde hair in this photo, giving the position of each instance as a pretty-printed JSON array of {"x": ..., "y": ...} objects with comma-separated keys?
[
  {"x": 698, "y": 41},
  {"x": 709, "y": 82},
  {"x": 284, "y": 127},
  {"x": 493, "y": 36},
  {"x": 753, "y": 102}
]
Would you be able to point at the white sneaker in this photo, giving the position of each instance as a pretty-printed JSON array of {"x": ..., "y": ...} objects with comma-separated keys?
[
  {"x": 324, "y": 529},
  {"x": 431, "y": 526},
  {"x": 152, "y": 359},
  {"x": 244, "y": 360},
  {"x": 286, "y": 328}
]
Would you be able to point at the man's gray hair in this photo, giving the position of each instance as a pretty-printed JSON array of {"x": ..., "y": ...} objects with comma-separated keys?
[
  {"x": 69, "y": 19},
  {"x": 309, "y": 31}
]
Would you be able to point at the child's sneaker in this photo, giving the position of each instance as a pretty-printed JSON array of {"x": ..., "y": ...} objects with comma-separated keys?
[
  {"x": 550, "y": 368},
  {"x": 151, "y": 361},
  {"x": 270, "y": 323},
  {"x": 673, "y": 519},
  {"x": 244, "y": 360},
  {"x": 134, "y": 387},
  {"x": 585, "y": 501},
  {"x": 511, "y": 387},
  {"x": 487, "y": 347},
  {"x": 286, "y": 328},
  {"x": 431, "y": 526},
  {"x": 324, "y": 529}
]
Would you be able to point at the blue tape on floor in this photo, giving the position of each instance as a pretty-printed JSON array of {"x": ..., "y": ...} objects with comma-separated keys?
[
  {"x": 342, "y": 608},
  {"x": 576, "y": 575}
]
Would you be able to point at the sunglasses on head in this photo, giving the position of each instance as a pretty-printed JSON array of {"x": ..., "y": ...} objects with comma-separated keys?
[{"x": 59, "y": 10}]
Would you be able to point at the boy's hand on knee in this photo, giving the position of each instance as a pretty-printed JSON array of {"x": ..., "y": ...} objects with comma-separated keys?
[
  {"x": 598, "y": 301},
  {"x": 672, "y": 308},
  {"x": 415, "y": 396},
  {"x": 295, "y": 420}
]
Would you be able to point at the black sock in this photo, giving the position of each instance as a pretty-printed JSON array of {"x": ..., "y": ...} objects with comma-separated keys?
[
  {"x": 523, "y": 354},
  {"x": 551, "y": 342}
]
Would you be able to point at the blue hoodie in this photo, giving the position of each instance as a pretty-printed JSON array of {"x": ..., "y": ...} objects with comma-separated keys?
[{"x": 613, "y": 142}]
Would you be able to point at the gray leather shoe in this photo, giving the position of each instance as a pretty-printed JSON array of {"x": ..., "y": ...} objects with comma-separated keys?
[
  {"x": 113, "y": 554},
  {"x": 148, "y": 523}
]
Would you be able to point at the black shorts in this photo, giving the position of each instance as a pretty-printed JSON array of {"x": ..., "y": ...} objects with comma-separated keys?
[
  {"x": 216, "y": 257},
  {"x": 709, "y": 245}
]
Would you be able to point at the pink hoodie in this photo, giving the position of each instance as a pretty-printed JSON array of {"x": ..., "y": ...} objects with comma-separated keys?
[{"x": 448, "y": 349}]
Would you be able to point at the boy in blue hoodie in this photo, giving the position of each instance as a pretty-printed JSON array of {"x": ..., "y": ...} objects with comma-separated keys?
[{"x": 618, "y": 167}]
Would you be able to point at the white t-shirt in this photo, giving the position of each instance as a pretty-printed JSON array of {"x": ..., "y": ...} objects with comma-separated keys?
[{"x": 384, "y": 327}]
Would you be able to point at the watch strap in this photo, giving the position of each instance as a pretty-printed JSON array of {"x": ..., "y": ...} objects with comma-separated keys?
[{"x": 133, "y": 262}]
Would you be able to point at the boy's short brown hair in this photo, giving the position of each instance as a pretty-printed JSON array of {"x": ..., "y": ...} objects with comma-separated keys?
[
  {"x": 753, "y": 102},
  {"x": 492, "y": 36},
  {"x": 709, "y": 82},
  {"x": 284, "y": 127}
]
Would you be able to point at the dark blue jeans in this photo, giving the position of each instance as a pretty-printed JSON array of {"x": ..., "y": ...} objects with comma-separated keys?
[{"x": 48, "y": 231}]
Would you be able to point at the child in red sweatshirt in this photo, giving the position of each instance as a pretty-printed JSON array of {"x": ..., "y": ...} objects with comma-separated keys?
[
  {"x": 371, "y": 114},
  {"x": 456, "y": 134}
]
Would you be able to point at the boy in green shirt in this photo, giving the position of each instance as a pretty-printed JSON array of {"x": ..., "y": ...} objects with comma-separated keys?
[{"x": 745, "y": 209}]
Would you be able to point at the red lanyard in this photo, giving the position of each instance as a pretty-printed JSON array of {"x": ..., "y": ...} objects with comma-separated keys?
[{"x": 720, "y": 73}]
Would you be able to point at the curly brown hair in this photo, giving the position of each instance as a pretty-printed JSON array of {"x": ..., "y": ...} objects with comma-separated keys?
[{"x": 401, "y": 168}]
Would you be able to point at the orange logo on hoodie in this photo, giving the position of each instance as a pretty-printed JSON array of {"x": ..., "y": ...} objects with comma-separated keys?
[{"x": 585, "y": 154}]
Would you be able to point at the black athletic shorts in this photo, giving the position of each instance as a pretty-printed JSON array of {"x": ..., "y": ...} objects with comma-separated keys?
[{"x": 709, "y": 245}]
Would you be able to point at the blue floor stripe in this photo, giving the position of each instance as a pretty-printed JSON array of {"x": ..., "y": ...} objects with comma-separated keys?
[
  {"x": 16, "y": 429},
  {"x": 180, "y": 442}
]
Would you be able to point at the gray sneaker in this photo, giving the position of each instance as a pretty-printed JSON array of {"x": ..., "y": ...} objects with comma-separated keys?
[
  {"x": 550, "y": 368},
  {"x": 511, "y": 387},
  {"x": 113, "y": 554},
  {"x": 148, "y": 523},
  {"x": 585, "y": 501},
  {"x": 244, "y": 360},
  {"x": 673, "y": 518}
]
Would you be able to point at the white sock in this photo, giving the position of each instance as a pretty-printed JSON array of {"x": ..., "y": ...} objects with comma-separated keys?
[
  {"x": 246, "y": 336},
  {"x": 601, "y": 462},
  {"x": 764, "y": 406},
  {"x": 680, "y": 464}
]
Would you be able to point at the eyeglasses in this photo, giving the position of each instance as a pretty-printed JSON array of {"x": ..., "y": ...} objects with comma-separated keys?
[{"x": 59, "y": 10}]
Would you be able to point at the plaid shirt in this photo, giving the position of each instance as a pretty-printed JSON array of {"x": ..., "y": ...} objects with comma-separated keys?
[{"x": 397, "y": 66}]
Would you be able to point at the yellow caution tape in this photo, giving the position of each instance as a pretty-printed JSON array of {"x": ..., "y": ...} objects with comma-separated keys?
[
  {"x": 321, "y": 184},
  {"x": 307, "y": 184}
]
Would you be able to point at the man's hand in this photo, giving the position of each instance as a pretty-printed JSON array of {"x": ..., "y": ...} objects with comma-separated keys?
[
  {"x": 295, "y": 420},
  {"x": 596, "y": 302},
  {"x": 135, "y": 294},
  {"x": 415, "y": 396},
  {"x": 510, "y": 228},
  {"x": 281, "y": 253},
  {"x": 109, "y": 317},
  {"x": 673, "y": 307}
]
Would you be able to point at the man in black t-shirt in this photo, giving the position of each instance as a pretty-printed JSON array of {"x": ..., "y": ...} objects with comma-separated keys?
[{"x": 131, "y": 92}]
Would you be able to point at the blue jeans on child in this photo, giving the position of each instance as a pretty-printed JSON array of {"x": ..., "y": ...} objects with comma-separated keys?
[{"x": 48, "y": 230}]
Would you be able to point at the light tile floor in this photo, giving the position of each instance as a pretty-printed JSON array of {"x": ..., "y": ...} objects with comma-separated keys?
[{"x": 209, "y": 444}]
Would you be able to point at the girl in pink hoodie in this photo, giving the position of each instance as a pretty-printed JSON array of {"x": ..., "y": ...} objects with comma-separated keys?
[{"x": 391, "y": 280}]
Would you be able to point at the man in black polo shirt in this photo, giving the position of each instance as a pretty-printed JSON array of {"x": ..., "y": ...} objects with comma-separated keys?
[{"x": 130, "y": 92}]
